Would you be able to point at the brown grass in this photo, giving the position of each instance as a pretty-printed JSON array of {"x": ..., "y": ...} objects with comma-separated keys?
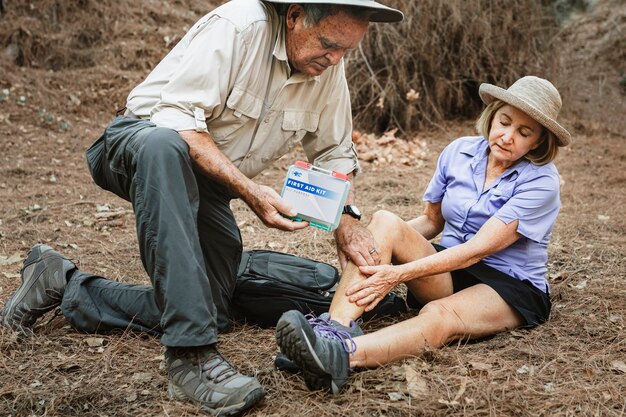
[{"x": 443, "y": 50}]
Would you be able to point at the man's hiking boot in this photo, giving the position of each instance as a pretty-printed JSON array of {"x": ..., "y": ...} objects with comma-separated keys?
[
  {"x": 44, "y": 277},
  {"x": 322, "y": 354},
  {"x": 283, "y": 363},
  {"x": 202, "y": 376}
]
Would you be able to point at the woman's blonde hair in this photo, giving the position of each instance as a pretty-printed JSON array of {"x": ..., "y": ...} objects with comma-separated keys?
[{"x": 544, "y": 153}]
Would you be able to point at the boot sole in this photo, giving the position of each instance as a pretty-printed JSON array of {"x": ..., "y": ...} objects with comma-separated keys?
[
  {"x": 176, "y": 393},
  {"x": 294, "y": 343}
]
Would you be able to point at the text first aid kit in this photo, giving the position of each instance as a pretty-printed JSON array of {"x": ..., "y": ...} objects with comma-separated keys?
[{"x": 318, "y": 195}]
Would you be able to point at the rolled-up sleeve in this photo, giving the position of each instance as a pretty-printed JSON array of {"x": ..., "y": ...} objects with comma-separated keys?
[
  {"x": 535, "y": 204},
  {"x": 331, "y": 147},
  {"x": 199, "y": 84}
]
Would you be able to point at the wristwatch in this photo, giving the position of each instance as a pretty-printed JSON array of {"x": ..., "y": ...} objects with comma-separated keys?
[{"x": 352, "y": 210}]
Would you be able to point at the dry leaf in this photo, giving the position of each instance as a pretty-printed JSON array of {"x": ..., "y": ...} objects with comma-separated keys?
[
  {"x": 13, "y": 259},
  {"x": 461, "y": 389},
  {"x": 480, "y": 366},
  {"x": 524, "y": 369},
  {"x": 142, "y": 376},
  {"x": 416, "y": 386},
  {"x": 412, "y": 95},
  {"x": 452, "y": 403},
  {"x": 582, "y": 285},
  {"x": 395, "y": 396},
  {"x": 619, "y": 366},
  {"x": 94, "y": 341}
]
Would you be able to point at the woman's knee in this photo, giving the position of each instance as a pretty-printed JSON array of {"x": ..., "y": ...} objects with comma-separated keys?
[
  {"x": 386, "y": 221},
  {"x": 447, "y": 322}
]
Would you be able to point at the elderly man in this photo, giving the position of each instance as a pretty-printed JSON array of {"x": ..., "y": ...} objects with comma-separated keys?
[{"x": 244, "y": 85}]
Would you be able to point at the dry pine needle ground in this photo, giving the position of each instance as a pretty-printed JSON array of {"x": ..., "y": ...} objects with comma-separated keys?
[{"x": 571, "y": 366}]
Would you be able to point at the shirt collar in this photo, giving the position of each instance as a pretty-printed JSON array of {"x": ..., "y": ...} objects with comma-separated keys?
[
  {"x": 480, "y": 152},
  {"x": 280, "y": 53},
  {"x": 280, "y": 49}
]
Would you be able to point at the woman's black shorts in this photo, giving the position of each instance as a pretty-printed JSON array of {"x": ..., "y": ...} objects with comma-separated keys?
[{"x": 529, "y": 301}]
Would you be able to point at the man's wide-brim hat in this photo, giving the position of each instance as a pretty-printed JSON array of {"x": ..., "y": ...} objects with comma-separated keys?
[
  {"x": 380, "y": 12},
  {"x": 536, "y": 97}
]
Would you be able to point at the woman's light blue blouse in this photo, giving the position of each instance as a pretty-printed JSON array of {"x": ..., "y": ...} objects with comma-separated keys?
[{"x": 526, "y": 192}]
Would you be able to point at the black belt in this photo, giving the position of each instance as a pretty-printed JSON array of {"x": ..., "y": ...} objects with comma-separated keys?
[{"x": 126, "y": 112}]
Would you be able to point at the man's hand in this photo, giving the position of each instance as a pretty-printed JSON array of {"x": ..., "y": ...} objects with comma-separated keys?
[
  {"x": 355, "y": 243},
  {"x": 268, "y": 206},
  {"x": 264, "y": 201},
  {"x": 369, "y": 292}
]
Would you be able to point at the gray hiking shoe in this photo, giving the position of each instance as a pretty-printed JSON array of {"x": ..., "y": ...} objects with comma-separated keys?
[
  {"x": 283, "y": 363},
  {"x": 44, "y": 277},
  {"x": 322, "y": 354},
  {"x": 202, "y": 376}
]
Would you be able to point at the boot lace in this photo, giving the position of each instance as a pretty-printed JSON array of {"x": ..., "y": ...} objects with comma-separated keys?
[{"x": 325, "y": 329}]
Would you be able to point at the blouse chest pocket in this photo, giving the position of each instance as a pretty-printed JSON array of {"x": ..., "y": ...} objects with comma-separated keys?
[
  {"x": 498, "y": 197},
  {"x": 242, "y": 107},
  {"x": 296, "y": 124}
]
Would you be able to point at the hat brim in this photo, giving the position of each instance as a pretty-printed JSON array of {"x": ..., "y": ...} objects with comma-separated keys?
[
  {"x": 489, "y": 93},
  {"x": 380, "y": 12}
]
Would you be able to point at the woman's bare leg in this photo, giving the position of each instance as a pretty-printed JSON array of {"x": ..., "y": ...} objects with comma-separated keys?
[
  {"x": 398, "y": 243},
  {"x": 471, "y": 313}
]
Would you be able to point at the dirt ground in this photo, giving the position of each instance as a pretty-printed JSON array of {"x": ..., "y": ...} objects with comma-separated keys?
[{"x": 50, "y": 113}]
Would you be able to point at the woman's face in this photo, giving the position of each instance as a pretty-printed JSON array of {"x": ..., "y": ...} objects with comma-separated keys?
[{"x": 513, "y": 134}]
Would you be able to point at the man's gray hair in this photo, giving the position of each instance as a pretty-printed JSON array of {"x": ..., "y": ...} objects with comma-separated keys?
[{"x": 316, "y": 12}]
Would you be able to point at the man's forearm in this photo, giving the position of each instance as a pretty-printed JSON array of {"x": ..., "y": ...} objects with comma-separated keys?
[{"x": 214, "y": 164}]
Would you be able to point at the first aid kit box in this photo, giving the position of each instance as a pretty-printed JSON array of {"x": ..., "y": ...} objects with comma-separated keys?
[{"x": 318, "y": 195}]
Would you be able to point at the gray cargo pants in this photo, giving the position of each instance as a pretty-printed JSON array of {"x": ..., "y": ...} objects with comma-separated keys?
[{"x": 189, "y": 241}]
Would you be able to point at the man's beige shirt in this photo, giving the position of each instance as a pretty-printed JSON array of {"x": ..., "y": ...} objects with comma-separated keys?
[{"x": 230, "y": 76}]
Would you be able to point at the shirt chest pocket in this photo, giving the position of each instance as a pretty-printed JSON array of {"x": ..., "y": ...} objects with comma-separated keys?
[
  {"x": 295, "y": 125},
  {"x": 242, "y": 110},
  {"x": 498, "y": 197}
]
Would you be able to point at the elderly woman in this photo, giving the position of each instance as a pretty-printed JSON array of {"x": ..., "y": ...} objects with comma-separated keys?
[{"x": 494, "y": 198}]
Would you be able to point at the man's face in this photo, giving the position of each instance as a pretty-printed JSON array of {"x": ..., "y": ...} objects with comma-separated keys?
[{"x": 311, "y": 50}]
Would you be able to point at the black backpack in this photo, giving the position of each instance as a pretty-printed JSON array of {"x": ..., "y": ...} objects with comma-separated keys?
[{"x": 270, "y": 283}]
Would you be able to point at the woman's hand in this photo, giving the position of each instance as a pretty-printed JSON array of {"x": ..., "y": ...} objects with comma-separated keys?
[{"x": 382, "y": 279}]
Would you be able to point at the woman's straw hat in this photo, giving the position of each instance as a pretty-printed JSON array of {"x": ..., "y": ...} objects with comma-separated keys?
[
  {"x": 380, "y": 12},
  {"x": 536, "y": 97}
]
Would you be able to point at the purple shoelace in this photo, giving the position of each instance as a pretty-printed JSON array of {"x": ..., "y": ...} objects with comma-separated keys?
[{"x": 324, "y": 328}]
